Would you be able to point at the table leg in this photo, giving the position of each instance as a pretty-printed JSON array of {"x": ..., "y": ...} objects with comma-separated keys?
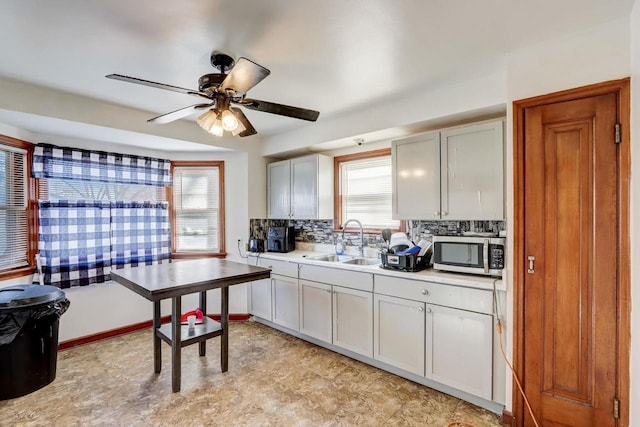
[
  {"x": 203, "y": 306},
  {"x": 157, "y": 345},
  {"x": 224, "y": 321},
  {"x": 176, "y": 333}
]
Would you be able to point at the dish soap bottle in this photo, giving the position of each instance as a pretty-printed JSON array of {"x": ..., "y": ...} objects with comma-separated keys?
[{"x": 340, "y": 246}]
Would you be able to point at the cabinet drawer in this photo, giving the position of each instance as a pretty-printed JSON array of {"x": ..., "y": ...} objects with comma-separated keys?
[
  {"x": 338, "y": 276},
  {"x": 284, "y": 268},
  {"x": 477, "y": 300}
]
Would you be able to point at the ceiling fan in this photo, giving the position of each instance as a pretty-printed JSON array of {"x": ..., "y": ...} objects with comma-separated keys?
[{"x": 222, "y": 90}]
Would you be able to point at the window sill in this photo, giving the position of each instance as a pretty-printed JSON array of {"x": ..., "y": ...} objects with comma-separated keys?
[
  {"x": 196, "y": 255},
  {"x": 17, "y": 272}
]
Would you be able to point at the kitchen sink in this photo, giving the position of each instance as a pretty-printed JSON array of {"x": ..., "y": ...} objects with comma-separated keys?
[
  {"x": 362, "y": 261},
  {"x": 328, "y": 258}
]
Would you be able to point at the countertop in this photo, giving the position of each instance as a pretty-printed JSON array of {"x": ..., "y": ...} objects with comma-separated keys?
[{"x": 427, "y": 275}]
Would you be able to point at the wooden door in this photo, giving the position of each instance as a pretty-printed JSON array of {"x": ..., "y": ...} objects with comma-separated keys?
[{"x": 570, "y": 219}]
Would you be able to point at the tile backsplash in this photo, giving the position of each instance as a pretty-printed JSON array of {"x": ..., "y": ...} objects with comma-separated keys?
[{"x": 321, "y": 231}]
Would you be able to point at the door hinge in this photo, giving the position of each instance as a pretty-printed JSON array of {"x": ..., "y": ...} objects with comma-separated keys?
[
  {"x": 618, "y": 134},
  {"x": 616, "y": 408}
]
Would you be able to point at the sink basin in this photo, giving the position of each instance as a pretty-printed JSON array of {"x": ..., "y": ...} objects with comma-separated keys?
[
  {"x": 327, "y": 257},
  {"x": 362, "y": 261}
]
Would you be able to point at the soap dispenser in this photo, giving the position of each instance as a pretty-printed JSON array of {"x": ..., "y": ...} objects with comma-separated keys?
[{"x": 340, "y": 245}]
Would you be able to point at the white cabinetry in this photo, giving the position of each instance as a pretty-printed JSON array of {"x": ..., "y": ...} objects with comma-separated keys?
[
  {"x": 399, "y": 328},
  {"x": 300, "y": 188},
  {"x": 459, "y": 349},
  {"x": 285, "y": 301},
  {"x": 416, "y": 177},
  {"x": 456, "y": 343},
  {"x": 276, "y": 299},
  {"x": 346, "y": 318},
  {"x": 315, "y": 310},
  {"x": 453, "y": 174},
  {"x": 260, "y": 299},
  {"x": 353, "y": 320}
]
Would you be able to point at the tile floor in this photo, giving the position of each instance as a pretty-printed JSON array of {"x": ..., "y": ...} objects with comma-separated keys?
[{"x": 273, "y": 380}]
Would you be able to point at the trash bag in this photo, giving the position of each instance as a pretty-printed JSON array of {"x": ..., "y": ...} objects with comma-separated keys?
[{"x": 28, "y": 303}]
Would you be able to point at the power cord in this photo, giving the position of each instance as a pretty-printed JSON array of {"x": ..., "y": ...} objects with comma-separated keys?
[
  {"x": 240, "y": 250},
  {"x": 504, "y": 356}
]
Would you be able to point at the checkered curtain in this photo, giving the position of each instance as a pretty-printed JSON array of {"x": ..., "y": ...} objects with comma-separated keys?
[
  {"x": 139, "y": 233},
  {"x": 75, "y": 242},
  {"x": 50, "y": 161},
  {"x": 80, "y": 242}
]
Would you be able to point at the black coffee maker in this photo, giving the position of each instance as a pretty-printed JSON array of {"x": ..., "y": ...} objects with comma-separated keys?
[{"x": 281, "y": 239}]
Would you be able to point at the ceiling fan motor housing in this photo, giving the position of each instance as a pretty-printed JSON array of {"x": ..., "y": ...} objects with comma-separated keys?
[{"x": 209, "y": 81}]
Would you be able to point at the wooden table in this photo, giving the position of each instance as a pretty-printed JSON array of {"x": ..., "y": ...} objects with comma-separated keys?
[{"x": 175, "y": 279}]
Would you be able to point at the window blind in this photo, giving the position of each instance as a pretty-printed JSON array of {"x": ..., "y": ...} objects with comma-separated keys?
[
  {"x": 196, "y": 192},
  {"x": 366, "y": 192},
  {"x": 14, "y": 234}
]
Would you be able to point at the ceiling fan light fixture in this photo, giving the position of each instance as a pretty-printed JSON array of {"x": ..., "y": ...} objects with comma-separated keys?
[
  {"x": 239, "y": 129},
  {"x": 210, "y": 122},
  {"x": 229, "y": 121}
]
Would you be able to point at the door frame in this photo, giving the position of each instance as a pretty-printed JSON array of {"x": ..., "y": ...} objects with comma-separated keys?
[{"x": 621, "y": 88}]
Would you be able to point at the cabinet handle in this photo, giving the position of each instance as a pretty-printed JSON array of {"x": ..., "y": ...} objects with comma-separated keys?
[
  {"x": 531, "y": 259},
  {"x": 420, "y": 309},
  {"x": 425, "y": 292},
  {"x": 436, "y": 213},
  {"x": 329, "y": 290},
  {"x": 429, "y": 310},
  {"x": 444, "y": 213}
]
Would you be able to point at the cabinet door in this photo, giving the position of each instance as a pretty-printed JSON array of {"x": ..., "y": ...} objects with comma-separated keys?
[
  {"x": 459, "y": 349},
  {"x": 472, "y": 172},
  {"x": 260, "y": 298},
  {"x": 353, "y": 320},
  {"x": 315, "y": 310},
  {"x": 399, "y": 333},
  {"x": 416, "y": 177},
  {"x": 304, "y": 187},
  {"x": 285, "y": 301},
  {"x": 279, "y": 189}
]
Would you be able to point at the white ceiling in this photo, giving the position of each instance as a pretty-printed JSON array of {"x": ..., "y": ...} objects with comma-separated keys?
[{"x": 329, "y": 55}]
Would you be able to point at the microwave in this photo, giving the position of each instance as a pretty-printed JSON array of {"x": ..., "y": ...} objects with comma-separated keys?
[{"x": 466, "y": 254}]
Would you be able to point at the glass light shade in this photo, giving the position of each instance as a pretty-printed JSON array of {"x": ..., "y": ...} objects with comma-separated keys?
[
  {"x": 238, "y": 130},
  {"x": 210, "y": 122},
  {"x": 229, "y": 121},
  {"x": 217, "y": 128}
]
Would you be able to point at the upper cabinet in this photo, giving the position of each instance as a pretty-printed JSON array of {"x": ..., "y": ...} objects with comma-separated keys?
[
  {"x": 300, "y": 188},
  {"x": 454, "y": 174}
]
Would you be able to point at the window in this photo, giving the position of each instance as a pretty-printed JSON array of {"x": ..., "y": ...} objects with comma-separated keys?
[
  {"x": 16, "y": 248},
  {"x": 197, "y": 220},
  {"x": 53, "y": 189},
  {"x": 363, "y": 190}
]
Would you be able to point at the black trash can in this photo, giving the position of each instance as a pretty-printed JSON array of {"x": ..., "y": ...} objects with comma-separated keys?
[{"x": 29, "y": 316}]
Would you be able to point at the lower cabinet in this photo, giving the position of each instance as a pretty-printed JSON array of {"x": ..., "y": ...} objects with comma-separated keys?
[
  {"x": 260, "y": 299},
  {"x": 399, "y": 333},
  {"x": 285, "y": 301},
  {"x": 337, "y": 315},
  {"x": 459, "y": 349},
  {"x": 447, "y": 345},
  {"x": 315, "y": 310},
  {"x": 353, "y": 320}
]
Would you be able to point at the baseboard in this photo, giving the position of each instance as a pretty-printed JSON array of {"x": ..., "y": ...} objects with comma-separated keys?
[
  {"x": 132, "y": 328},
  {"x": 507, "y": 418}
]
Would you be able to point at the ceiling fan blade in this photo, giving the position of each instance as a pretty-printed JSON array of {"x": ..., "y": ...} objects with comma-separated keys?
[
  {"x": 157, "y": 85},
  {"x": 243, "y": 76},
  {"x": 283, "y": 110},
  {"x": 178, "y": 114},
  {"x": 249, "y": 129}
]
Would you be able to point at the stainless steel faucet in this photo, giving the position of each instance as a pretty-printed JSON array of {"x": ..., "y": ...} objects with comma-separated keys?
[{"x": 344, "y": 227}]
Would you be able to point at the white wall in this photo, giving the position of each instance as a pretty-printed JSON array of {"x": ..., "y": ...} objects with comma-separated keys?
[
  {"x": 102, "y": 307},
  {"x": 635, "y": 216}
]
